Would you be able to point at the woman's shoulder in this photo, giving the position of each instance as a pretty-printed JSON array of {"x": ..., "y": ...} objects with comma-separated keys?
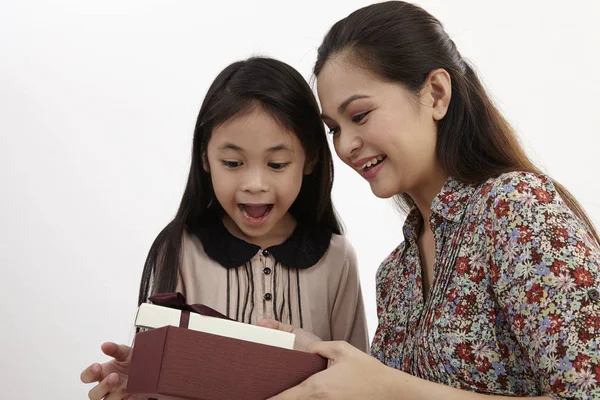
[{"x": 518, "y": 186}]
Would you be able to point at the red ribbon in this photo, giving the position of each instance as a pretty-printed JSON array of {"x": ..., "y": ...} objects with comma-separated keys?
[{"x": 177, "y": 301}]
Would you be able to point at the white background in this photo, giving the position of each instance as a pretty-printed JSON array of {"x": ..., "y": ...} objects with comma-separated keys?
[{"x": 97, "y": 105}]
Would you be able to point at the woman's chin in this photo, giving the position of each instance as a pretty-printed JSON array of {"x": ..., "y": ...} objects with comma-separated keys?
[{"x": 383, "y": 192}]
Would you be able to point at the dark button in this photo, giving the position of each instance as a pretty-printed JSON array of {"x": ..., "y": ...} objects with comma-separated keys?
[
  {"x": 266, "y": 253},
  {"x": 267, "y": 270},
  {"x": 268, "y": 296},
  {"x": 594, "y": 295}
]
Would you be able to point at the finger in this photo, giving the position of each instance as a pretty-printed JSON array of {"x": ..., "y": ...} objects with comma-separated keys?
[
  {"x": 273, "y": 324},
  {"x": 105, "y": 387},
  {"x": 334, "y": 351},
  {"x": 119, "y": 352},
  {"x": 303, "y": 338},
  {"x": 93, "y": 373}
]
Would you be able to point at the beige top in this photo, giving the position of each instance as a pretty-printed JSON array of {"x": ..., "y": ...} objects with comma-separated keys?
[{"x": 324, "y": 298}]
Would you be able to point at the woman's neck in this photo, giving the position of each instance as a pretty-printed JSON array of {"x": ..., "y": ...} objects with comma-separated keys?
[{"x": 424, "y": 194}]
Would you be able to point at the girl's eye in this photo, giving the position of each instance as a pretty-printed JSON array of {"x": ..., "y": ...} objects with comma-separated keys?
[
  {"x": 278, "y": 166},
  {"x": 359, "y": 117},
  {"x": 231, "y": 164}
]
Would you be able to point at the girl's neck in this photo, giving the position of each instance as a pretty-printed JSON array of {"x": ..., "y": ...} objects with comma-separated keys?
[{"x": 280, "y": 233}]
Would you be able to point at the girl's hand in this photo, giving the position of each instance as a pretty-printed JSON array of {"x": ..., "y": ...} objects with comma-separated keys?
[
  {"x": 351, "y": 374},
  {"x": 304, "y": 339},
  {"x": 111, "y": 376}
]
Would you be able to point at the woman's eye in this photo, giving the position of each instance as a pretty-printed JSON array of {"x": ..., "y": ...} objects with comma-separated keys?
[
  {"x": 359, "y": 117},
  {"x": 231, "y": 164},
  {"x": 333, "y": 131}
]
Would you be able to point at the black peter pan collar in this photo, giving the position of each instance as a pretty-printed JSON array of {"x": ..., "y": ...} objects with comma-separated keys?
[{"x": 303, "y": 249}]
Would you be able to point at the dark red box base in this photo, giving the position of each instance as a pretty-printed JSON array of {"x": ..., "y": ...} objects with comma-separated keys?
[{"x": 173, "y": 363}]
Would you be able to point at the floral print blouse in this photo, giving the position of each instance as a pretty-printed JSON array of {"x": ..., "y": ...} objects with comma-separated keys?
[{"x": 514, "y": 305}]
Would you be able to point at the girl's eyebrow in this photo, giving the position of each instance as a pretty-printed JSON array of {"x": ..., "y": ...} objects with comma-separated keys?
[
  {"x": 231, "y": 146},
  {"x": 279, "y": 147},
  {"x": 235, "y": 147}
]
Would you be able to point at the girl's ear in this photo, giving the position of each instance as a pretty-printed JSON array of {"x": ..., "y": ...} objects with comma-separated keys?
[
  {"x": 205, "y": 164},
  {"x": 309, "y": 166}
]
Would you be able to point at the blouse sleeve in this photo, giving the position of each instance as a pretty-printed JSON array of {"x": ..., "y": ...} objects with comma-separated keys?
[
  {"x": 348, "y": 320},
  {"x": 545, "y": 275}
]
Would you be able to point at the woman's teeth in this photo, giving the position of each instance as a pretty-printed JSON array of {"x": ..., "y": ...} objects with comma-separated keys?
[{"x": 374, "y": 161}]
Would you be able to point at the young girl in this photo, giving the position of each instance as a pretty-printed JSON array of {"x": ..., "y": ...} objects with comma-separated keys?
[
  {"x": 495, "y": 289},
  {"x": 256, "y": 235}
]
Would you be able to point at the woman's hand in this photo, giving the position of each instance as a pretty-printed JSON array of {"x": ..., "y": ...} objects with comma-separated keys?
[
  {"x": 351, "y": 374},
  {"x": 354, "y": 375}
]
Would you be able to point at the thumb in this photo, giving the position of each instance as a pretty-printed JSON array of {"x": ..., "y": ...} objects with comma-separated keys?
[
  {"x": 119, "y": 352},
  {"x": 333, "y": 351},
  {"x": 303, "y": 338},
  {"x": 273, "y": 324}
]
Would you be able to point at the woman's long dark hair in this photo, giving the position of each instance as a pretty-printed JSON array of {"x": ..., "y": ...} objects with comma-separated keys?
[
  {"x": 280, "y": 90},
  {"x": 403, "y": 43}
]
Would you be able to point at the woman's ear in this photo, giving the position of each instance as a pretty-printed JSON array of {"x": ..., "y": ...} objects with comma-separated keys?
[{"x": 438, "y": 91}]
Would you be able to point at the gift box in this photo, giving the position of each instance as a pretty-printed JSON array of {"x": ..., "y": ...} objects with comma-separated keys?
[
  {"x": 174, "y": 362},
  {"x": 155, "y": 316}
]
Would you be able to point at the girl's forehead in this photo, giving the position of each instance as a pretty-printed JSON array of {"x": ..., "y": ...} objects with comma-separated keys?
[{"x": 256, "y": 130}]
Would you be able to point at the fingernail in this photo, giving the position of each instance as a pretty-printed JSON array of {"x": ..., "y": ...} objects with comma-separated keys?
[
  {"x": 113, "y": 379},
  {"x": 95, "y": 368}
]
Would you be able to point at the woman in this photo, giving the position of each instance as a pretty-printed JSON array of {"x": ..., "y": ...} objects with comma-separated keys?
[{"x": 495, "y": 290}]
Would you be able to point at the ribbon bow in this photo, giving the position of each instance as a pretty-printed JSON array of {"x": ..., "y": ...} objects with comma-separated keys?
[{"x": 177, "y": 301}]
